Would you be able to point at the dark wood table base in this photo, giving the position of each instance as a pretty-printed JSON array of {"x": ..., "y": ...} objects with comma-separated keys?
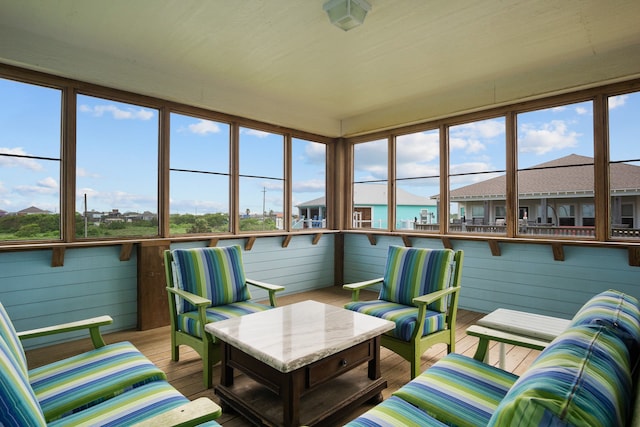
[{"x": 321, "y": 393}]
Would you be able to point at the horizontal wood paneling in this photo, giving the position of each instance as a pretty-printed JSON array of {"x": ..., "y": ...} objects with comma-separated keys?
[
  {"x": 525, "y": 277},
  {"x": 92, "y": 282}
]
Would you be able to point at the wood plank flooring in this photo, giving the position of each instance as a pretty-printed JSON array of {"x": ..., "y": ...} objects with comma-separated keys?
[{"x": 186, "y": 374}]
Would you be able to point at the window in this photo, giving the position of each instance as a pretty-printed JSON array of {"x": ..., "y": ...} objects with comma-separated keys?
[
  {"x": 199, "y": 175},
  {"x": 261, "y": 180},
  {"x": 370, "y": 185},
  {"x": 624, "y": 164},
  {"x": 116, "y": 169},
  {"x": 309, "y": 184},
  {"x": 588, "y": 215},
  {"x": 418, "y": 181},
  {"x": 556, "y": 168},
  {"x": 477, "y": 166},
  {"x": 30, "y": 161}
]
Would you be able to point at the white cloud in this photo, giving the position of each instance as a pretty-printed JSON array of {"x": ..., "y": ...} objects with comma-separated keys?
[
  {"x": 117, "y": 113},
  {"x": 45, "y": 186},
  {"x": 417, "y": 147},
  {"x": 551, "y": 136},
  {"x": 18, "y": 162},
  {"x": 82, "y": 172},
  {"x": 479, "y": 130},
  {"x": 204, "y": 127},
  {"x": 617, "y": 101},
  {"x": 315, "y": 153},
  {"x": 582, "y": 111},
  {"x": 254, "y": 132}
]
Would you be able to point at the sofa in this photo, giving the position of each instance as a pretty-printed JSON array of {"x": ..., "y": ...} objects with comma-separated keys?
[
  {"x": 110, "y": 385},
  {"x": 587, "y": 376}
]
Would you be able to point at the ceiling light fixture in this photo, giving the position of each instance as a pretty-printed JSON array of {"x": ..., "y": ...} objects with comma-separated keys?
[{"x": 347, "y": 14}]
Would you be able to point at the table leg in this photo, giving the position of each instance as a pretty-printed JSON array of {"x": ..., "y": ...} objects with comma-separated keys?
[
  {"x": 226, "y": 372},
  {"x": 503, "y": 356},
  {"x": 291, "y": 393},
  {"x": 374, "y": 363}
]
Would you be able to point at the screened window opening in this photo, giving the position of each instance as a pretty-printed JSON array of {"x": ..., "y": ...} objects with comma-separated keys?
[
  {"x": 30, "y": 162},
  {"x": 624, "y": 165},
  {"x": 116, "y": 169},
  {"x": 261, "y": 185},
  {"x": 198, "y": 176},
  {"x": 308, "y": 184},
  {"x": 556, "y": 171},
  {"x": 418, "y": 181},
  {"x": 477, "y": 182},
  {"x": 370, "y": 202}
]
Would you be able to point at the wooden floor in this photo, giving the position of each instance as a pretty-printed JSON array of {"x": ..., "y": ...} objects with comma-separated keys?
[{"x": 186, "y": 374}]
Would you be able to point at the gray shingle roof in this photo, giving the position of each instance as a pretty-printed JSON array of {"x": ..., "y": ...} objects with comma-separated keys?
[{"x": 569, "y": 175}]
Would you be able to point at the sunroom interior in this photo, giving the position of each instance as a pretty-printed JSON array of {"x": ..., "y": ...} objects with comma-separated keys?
[{"x": 412, "y": 69}]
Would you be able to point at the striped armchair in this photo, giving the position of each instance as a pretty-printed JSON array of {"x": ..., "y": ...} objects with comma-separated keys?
[
  {"x": 419, "y": 292},
  {"x": 207, "y": 285}
]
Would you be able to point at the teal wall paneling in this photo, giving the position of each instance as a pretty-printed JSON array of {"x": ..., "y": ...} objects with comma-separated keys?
[{"x": 525, "y": 276}]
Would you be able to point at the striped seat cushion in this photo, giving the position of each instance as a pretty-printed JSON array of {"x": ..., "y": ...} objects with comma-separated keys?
[
  {"x": 615, "y": 309},
  {"x": 190, "y": 323},
  {"x": 411, "y": 272},
  {"x": 458, "y": 390},
  {"x": 18, "y": 404},
  {"x": 582, "y": 378},
  {"x": 213, "y": 273},
  {"x": 89, "y": 378},
  {"x": 129, "y": 408},
  {"x": 404, "y": 316},
  {"x": 394, "y": 412},
  {"x": 8, "y": 333}
]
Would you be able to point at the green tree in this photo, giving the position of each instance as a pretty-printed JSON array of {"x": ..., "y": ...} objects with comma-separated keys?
[{"x": 200, "y": 226}]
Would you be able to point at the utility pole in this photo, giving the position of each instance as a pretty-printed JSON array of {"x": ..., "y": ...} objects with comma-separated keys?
[{"x": 264, "y": 195}]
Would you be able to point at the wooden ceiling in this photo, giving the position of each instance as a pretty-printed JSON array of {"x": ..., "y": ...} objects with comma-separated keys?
[{"x": 282, "y": 62}]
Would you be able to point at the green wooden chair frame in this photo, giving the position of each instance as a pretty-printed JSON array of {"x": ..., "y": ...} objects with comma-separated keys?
[
  {"x": 206, "y": 347},
  {"x": 413, "y": 349}
]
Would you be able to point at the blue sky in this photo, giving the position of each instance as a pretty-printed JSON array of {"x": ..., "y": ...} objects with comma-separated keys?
[{"x": 117, "y": 154}]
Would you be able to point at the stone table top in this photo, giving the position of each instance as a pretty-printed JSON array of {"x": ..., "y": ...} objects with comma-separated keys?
[{"x": 296, "y": 335}]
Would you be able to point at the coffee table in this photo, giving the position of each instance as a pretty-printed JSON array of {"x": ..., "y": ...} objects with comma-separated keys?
[
  {"x": 514, "y": 327},
  {"x": 299, "y": 363}
]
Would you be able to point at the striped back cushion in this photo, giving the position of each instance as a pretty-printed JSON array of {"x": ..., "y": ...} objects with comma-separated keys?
[
  {"x": 411, "y": 272},
  {"x": 213, "y": 273},
  {"x": 582, "y": 379},
  {"x": 617, "y": 310},
  {"x": 18, "y": 405},
  {"x": 8, "y": 333}
]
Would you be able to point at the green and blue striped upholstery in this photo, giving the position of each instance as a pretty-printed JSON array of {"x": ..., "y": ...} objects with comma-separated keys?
[
  {"x": 411, "y": 272},
  {"x": 18, "y": 405},
  {"x": 583, "y": 378},
  {"x": 615, "y": 309},
  {"x": 213, "y": 273},
  {"x": 395, "y": 412},
  {"x": 190, "y": 322},
  {"x": 129, "y": 408},
  {"x": 89, "y": 378},
  {"x": 8, "y": 333},
  {"x": 458, "y": 390},
  {"x": 405, "y": 317}
]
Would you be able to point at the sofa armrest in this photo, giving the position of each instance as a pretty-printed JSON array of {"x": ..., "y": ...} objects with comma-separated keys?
[
  {"x": 193, "y": 413},
  {"x": 355, "y": 288},
  {"x": 93, "y": 324},
  {"x": 269, "y": 287}
]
